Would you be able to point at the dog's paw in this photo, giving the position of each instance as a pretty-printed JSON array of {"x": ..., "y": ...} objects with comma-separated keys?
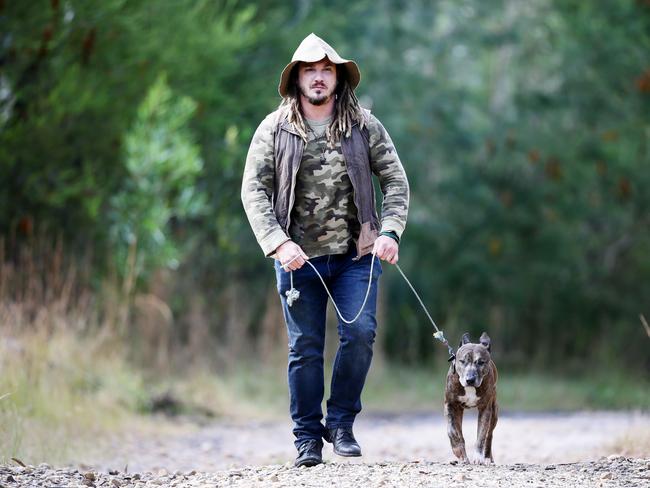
[
  {"x": 482, "y": 460},
  {"x": 459, "y": 461}
]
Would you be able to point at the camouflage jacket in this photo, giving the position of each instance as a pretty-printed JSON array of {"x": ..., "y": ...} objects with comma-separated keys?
[{"x": 274, "y": 156}]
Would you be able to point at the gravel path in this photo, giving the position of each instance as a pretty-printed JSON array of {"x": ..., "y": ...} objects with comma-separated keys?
[
  {"x": 616, "y": 471},
  {"x": 531, "y": 450}
]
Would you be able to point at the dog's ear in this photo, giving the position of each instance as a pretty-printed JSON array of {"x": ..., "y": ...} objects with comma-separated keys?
[
  {"x": 464, "y": 340},
  {"x": 485, "y": 340}
]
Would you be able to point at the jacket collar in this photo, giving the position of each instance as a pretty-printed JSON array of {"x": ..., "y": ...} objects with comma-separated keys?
[{"x": 288, "y": 126}]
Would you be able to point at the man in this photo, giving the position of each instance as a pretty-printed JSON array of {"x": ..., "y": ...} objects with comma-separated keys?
[{"x": 308, "y": 194}]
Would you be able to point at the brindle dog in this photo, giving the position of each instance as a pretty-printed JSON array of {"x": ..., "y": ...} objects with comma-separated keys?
[{"x": 471, "y": 382}]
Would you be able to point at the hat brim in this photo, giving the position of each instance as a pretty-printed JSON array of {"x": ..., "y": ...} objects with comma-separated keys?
[{"x": 353, "y": 73}]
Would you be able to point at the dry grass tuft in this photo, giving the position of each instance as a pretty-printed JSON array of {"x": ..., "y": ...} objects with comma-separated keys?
[{"x": 633, "y": 443}]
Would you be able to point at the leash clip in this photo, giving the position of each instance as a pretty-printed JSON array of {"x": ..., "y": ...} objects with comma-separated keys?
[{"x": 441, "y": 337}]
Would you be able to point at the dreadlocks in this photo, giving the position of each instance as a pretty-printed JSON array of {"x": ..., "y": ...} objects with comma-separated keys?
[{"x": 347, "y": 110}]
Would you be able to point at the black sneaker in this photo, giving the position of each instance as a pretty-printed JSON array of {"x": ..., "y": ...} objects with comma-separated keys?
[
  {"x": 344, "y": 442},
  {"x": 310, "y": 453}
]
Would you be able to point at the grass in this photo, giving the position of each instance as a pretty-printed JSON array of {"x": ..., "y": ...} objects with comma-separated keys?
[
  {"x": 399, "y": 387},
  {"x": 605, "y": 390},
  {"x": 59, "y": 392}
]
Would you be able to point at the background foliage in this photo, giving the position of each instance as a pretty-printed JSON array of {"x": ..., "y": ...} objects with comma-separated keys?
[{"x": 524, "y": 128}]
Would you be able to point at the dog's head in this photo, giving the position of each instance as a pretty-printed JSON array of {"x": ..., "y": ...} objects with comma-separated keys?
[{"x": 472, "y": 361}]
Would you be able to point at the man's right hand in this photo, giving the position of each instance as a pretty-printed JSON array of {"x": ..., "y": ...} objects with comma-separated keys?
[{"x": 291, "y": 256}]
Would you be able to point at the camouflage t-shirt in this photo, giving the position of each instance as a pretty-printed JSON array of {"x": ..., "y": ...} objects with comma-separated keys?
[{"x": 324, "y": 216}]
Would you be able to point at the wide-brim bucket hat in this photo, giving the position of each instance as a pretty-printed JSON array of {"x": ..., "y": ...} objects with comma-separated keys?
[{"x": 311, "y": 50}]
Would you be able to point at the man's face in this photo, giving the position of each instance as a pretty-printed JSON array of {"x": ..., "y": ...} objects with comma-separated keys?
[{"x": 317, "y": 81}]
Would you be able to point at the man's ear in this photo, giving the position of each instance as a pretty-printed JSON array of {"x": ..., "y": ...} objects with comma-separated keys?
[
  {"x": 464, "y": 340},
  {"x": 485, "y": 340}
]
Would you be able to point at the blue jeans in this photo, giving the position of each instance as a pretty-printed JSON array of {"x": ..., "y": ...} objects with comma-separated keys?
[{"x": 347, "y": 280}]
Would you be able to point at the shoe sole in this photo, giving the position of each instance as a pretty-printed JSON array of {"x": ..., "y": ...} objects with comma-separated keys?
[
  {"x": 308, "y": 463},
  {"x": 347, "y": 454}
]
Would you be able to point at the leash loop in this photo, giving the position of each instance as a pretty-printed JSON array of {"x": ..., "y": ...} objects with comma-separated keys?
[{"x": 293, "y": 294}]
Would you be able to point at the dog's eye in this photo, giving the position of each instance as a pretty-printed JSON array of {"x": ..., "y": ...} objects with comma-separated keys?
[
  {"x": 462, "y": 361},
  {"x": 480, "y": 362}
]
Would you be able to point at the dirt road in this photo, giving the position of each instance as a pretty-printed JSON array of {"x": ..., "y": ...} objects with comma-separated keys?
[
  {"x": 550, "y": 450},
  {"x": 519, "y": 438}
]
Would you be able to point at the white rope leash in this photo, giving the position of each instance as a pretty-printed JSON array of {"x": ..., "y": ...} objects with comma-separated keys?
[
  {"x": 438, "y": 334},
  {"x": 418, "y": 297},
  {"x": 293, "y": 294}
]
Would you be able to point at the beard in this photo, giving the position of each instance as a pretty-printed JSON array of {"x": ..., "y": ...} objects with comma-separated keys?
[{"x": 317, "y": 99}]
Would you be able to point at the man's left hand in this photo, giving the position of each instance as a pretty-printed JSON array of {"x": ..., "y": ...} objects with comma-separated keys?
[{"x": 386, "y": 249}]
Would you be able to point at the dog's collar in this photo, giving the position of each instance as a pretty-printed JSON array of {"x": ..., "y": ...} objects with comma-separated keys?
[{"x": 452, "y": 356}]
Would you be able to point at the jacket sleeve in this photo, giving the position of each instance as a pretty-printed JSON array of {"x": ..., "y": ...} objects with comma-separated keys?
[
  {"x": 385, "y": 163},
  {"x": 257, "y": 189}
]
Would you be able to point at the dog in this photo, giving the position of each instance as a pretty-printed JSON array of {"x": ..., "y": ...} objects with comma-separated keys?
[{"x": 471, "y": 382}]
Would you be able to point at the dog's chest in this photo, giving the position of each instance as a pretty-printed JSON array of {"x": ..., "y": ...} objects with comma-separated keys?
[{"x": 469, "y": 399}]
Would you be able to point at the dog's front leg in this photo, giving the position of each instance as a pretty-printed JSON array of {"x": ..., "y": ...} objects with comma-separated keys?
[
  {"x": 454, "y": 414},
  {"x": 487, "y": 421}
]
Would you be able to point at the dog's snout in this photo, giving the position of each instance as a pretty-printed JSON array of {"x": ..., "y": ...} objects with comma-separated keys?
[{"x": 471, "y": 380}]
